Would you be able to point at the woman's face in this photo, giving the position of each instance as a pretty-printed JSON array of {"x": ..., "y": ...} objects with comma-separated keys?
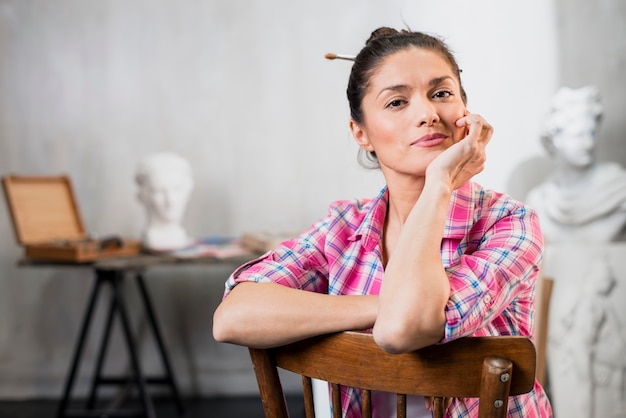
[{"x": 410, "y": 109}]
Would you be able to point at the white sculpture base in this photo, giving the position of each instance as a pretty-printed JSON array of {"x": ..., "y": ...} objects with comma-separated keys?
[{"x": 587, "y": 330}]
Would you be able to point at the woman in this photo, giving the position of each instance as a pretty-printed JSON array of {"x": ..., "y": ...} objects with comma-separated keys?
[{"x": 432, "y": 258}]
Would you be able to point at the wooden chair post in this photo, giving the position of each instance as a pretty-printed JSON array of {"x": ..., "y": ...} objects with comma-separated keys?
[
  {"x": 271, "y": 390},
  {"x": 495, "y": 387}
]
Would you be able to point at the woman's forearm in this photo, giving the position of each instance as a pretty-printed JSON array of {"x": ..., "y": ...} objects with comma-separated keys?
[
  {"x": 267, "y": 314},
  {"x": 415, "y": 289}
]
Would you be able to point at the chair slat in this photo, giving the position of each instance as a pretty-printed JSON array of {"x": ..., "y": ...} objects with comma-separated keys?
[
  {"x": 366, "y": 403},
  {"x": 401, "y": 405},
  {"x": 336, "y": 400},
  {"x": 309, "y": 404},
  {"x": 438, "y": 411}
]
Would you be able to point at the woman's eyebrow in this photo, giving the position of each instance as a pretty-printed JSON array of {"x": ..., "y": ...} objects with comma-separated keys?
[
  {"x": 395, "y": 88},
  {"x": 438, "y": 80},
  {"x": 403, "y": 87}
]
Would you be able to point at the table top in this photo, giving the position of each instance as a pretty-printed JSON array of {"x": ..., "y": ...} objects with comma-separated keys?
[
  {"x": 147, "y": 260},
  {"x": 143, "y": 260}
]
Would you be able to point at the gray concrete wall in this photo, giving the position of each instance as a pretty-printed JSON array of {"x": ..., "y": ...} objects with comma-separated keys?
[
  {"x": 592, "y": 36},
  {"x": 242, "y": 91},
  {"x": 591, "y": 49}
]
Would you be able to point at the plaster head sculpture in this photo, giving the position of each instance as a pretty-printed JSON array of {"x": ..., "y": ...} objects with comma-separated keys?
[
  {"x": 583, "y": 200},
  {"x": 165, "y": 183},
  {"x": 570, "y": 130}
]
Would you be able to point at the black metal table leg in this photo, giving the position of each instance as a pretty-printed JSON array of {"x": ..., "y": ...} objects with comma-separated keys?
[
  {"x": 79, "y": 348},
  {"x": 104, "y": 344},
  {"x": 160, "y": 344},
  {"x": 134, "y": 358},
  {"x": 114, "y": 277}
]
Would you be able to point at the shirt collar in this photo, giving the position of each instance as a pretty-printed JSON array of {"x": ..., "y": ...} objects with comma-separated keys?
[
  {"x": 459, "y": 220},
  {"x": 371, "y": 229}
]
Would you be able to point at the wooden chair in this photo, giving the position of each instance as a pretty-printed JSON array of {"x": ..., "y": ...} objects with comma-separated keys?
[
  {"x": 542, "y": 315},
  {"x": 489, "y": 368}
]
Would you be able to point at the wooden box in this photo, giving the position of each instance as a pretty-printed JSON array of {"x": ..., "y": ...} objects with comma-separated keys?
[{"x": 47, "y": 222}]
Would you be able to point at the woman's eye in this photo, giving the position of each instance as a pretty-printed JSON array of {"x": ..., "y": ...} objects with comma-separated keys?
[
  {"x": 395, "y": 103},
  {"x": 442, "y": 94}
]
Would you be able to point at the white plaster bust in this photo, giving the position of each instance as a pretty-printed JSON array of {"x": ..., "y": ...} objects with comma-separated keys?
[
  {"x": 165, "y": 183},
  {"x": 583, "y": 200}
]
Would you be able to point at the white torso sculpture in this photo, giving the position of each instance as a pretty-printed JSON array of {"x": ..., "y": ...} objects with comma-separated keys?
[
  {"x": 583, "y": 200},
  {"x": 165, "y": 183},
  {"x": 582, "y": 211}
]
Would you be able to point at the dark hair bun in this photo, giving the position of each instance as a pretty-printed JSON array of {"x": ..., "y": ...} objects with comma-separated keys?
[{"x": 382, "y": 32}]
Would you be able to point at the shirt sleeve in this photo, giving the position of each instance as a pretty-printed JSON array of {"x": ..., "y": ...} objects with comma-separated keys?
[
  {"x": 492, "y": 283},
  {"x": 298, "y": 263}
]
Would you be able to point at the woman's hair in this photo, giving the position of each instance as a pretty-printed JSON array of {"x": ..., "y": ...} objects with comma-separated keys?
[{"x": 383, "y": 42}]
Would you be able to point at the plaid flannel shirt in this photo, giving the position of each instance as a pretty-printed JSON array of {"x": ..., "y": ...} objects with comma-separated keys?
[{"x": 491, "y": 250}]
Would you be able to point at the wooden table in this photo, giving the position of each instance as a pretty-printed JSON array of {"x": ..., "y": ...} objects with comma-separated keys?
[{"x": 112, "y": 272}]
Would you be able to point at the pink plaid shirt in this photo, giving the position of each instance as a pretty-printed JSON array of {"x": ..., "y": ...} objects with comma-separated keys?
[{"x": 491, "y": 249}]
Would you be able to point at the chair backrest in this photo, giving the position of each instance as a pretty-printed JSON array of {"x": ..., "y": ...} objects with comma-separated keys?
[{"x": 489, "y": 368}]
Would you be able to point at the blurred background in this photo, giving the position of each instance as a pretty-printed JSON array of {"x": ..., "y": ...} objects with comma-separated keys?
[{"x": 241, "y": 89}]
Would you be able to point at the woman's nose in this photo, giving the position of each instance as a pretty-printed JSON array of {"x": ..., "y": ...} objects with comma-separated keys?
[{"x": 426, "y": 114}]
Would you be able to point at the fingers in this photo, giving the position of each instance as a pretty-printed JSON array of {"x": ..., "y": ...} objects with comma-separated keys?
[
  {"x": 479, "y": 133},
  {"x": 477, "y": 127},
  {"x": 473, "y": 148},
  {"x": 430, "y": 403},
  {"x": 467, "y": 157}
]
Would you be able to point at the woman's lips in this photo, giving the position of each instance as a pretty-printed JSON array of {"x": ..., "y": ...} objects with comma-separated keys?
[{"x": 429, "y": 140}]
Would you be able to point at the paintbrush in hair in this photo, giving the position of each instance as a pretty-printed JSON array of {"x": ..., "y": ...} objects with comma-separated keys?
[{"x": 331, "y": 56}]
